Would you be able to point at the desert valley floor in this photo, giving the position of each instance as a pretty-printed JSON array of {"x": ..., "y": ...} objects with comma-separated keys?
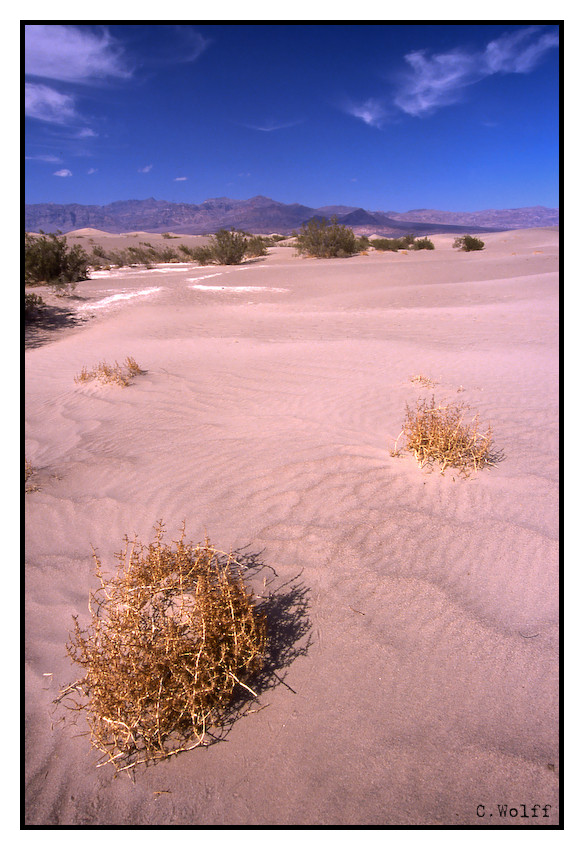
[{"x": 415, "y": 632}]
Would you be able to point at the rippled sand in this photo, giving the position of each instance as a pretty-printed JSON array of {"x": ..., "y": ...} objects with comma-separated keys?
[{"x": 271, "y": 399}]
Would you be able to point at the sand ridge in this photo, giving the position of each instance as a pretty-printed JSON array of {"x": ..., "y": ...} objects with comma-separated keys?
[{"x": 429, "y": 685}]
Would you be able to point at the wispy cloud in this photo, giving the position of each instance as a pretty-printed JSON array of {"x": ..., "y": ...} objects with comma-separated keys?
[
  {"x": 187, "y": 43},
  {"x": 58, "y": 57},
  {"x": 145, "y": 169},
  {"x": 64, "y": 172},
  {"x": 435, "y": 80},
  {"x": 47, "y": 157},
  {"x": 92, "y": 171},
  {"x": 440, "y": 79},
  {"x": 269, "y": 126},
  {"x": 46, "y": 104},
  {"x": 72, "y": 54},
  {"x": 373, "y": 112},
  {"x": 180, "y": 179}
]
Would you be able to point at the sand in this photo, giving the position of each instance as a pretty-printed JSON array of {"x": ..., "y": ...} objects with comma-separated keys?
[{"x": 417, "y": 648}]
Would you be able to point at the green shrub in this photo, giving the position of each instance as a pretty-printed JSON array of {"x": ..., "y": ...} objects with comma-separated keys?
[
  {"x": 257, "y": 246},
  {"x": 385, "y": 244},
  {"x": 319, "y": 239},
  {"x": 47, "y": 259},
  {"x": 423, "y": 244},
  {"x": 203, "y": 255},
  {"x": 468, "y": 243},
  {"x": 228, "y": 247},
  {"x": 33, "y": 306}
]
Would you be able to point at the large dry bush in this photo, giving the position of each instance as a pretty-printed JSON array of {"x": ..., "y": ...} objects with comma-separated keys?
[
  {"x": 438, "y": 434},
  {"x": 172, "y": 633}
]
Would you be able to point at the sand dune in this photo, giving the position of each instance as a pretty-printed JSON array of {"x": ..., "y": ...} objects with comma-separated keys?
[{"x": 420, "y": 656}]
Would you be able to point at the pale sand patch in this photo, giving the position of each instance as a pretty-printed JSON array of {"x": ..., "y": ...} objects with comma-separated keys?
[
  {"x": 210, "y": 288},
  {"x": 430, "y": 687},
  {"x": 120, "y": 296}
]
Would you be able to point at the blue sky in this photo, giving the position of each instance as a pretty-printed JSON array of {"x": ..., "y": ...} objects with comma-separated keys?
[{"x": 389, "y": 117}]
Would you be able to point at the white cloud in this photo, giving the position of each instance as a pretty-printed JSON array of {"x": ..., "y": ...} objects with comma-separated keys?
[
  {"x": 180, "y": 179},
  {"x": 71, "y": 53},
  {"x": 435, "y": 80},
  {"x": 49, "y": 157},
  {"x": 373, "y": 112},
  {"x": 64, "y": 172},
  {"x": 519, "y": 52},
  {"x": 92, "y": 171},
  {"x": 145, "y": 170},
  {"x": 47, "y": 104},
  {"x": 439, "y": 79}
]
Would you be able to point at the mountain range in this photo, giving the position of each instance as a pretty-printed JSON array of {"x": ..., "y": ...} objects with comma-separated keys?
[{"x": 264, "y": 215}]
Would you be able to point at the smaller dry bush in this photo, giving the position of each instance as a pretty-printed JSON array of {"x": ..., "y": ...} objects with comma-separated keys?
[
  {"x": 422, "y": 379},
  {"x": 438, "y": 434},
  {"x": 173, "y": 632},
  {"x": 107, "y": 374}
]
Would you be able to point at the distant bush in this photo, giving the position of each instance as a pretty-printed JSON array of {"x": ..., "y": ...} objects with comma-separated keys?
[
  {"x": 403, "y": 243},
  {"x": 47, "y": 259},
  {"x": 468, "y": 243},
  {"x": 423, "y": 244},
  {"x": 203, "y": 255},
  {"x": 229, "y": 247},
  {"x": 319, "y": 239},
  {"x": 257, "y": 246},
  {"x": 384, "y": 244}
]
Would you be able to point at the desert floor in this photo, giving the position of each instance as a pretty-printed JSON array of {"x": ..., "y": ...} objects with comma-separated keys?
[{"x": 414, "y": 627}]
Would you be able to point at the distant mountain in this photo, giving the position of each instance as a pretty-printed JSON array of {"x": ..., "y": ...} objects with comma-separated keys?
[
  {"x": 502, "y": 219},
  {"x": 264, "y": 215}
]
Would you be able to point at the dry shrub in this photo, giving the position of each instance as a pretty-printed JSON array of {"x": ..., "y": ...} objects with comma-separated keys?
[
  {"x": 107, "y": 374},
  {"x": 171, "y": 635},
  {"x": 422, "y": 379},
  {"x": 438, "y": 434}
]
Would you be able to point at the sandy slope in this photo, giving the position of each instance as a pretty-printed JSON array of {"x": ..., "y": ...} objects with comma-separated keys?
[{"x": 429, "y": 604}]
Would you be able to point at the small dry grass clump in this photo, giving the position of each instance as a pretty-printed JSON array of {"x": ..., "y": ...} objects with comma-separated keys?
[
  {"x": 107, "y": 374},
  {"x": 438, "y": 434},
  {"x": 172, "y": 634},
  {"x": 422, "y": 379}
]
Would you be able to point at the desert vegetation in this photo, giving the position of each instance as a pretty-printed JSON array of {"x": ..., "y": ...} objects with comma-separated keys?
[
  {"x": 407, "y": 242},
  {"x": 106, "y": 374},
  {"x": 230, "y": 247},
  {"x": 49, "y": 260},
  {"x": 33, "y": 306},
  {"x": 438, "y": 434},
  {"x": 319, "y": 239},
  {"x": 173, "y": 632},
  {"x": 468, "y": 243}
]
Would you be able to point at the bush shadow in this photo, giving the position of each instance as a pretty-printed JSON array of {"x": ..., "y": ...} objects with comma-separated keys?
[
  {"x": 284, "y": 606},
  {"x": 44, "y": 323}
]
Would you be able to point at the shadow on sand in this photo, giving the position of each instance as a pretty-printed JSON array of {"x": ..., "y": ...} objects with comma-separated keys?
[{"x": 41, "y": 325}]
